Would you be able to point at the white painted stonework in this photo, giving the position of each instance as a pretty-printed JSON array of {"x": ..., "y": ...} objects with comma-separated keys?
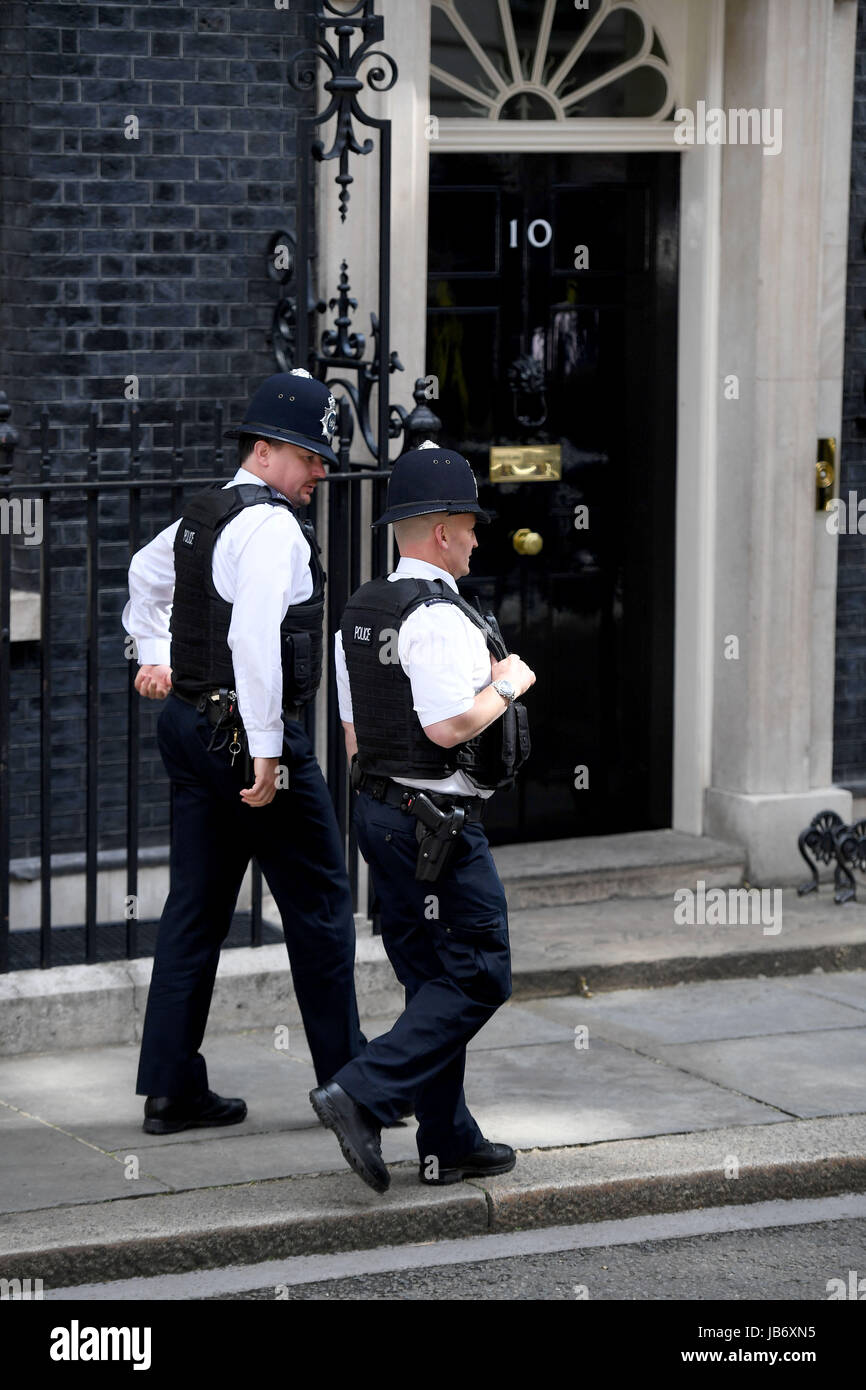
[
  {"x": 780, "y": 323},
  {"x": 25, "y": 613}
]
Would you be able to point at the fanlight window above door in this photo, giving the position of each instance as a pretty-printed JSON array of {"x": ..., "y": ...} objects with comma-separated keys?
[{"x": 547, "y": 60}]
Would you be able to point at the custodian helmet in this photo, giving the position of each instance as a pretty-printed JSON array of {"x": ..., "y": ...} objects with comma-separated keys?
[
  {"x": 431, "y": 479},
  {"x": 295, "y": 408}
]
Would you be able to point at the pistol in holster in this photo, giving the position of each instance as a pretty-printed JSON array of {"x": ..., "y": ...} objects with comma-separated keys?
[{"x": 437, "y": 833}]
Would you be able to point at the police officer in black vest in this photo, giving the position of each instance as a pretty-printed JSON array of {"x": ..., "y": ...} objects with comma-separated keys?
[
  {"x": 241, "y": 578},
  {"x": 428, "y": 696}
]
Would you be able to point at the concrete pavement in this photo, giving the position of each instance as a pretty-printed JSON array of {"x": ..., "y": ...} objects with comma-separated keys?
[{"x": 628, "y": 1102}]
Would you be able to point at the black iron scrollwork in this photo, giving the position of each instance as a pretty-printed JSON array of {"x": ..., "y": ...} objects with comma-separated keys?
[
  {"x": 339, "y": 358},
  {"x": 851, "y": 854},
  {"x": 344, "y": 83},
  {"x": 339, "y": 342},
  {"x": 281, "y": 258},
  {"x": 281, "y": 255},
  {"x": 828, "y": 838},
  {"x": 342, "y": 350}
]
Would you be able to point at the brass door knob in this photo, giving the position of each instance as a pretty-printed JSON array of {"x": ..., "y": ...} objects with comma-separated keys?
[{"x": 527, "y": 542}]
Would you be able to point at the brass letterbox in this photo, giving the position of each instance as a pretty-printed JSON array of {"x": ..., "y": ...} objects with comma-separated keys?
[{"x": 525, "y": 463}]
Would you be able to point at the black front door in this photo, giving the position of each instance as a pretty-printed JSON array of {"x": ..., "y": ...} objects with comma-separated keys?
[{"x": 552, "y": 336}]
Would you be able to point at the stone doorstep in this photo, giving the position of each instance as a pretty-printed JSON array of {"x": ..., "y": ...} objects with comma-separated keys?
[
  {"x": 170, "y": 1233},
  {"x": 635, "y": 849},
  {"x": 640, "y": 864}
]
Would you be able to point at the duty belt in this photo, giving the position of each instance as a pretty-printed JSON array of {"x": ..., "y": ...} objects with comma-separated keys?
[
  {"x": 396, "y": 794},
  {"x": 439, "y": 817},
  {"x": 215, "y": 704}
]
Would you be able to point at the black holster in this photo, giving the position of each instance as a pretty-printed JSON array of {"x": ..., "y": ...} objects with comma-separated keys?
[{"x": 437, "y": 833}]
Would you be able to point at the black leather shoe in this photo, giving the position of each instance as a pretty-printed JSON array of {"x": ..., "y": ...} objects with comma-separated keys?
[
  {"x": 164, "y": 1115},
  {"x": 484, "y": 1162},
  {"x": 356, "y": 1129}
]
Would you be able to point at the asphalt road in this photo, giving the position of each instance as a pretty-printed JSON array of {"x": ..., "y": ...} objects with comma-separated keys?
[{"x": 789, "y": 1263}]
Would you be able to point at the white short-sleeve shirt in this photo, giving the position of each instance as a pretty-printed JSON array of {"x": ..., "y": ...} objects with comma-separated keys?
[{"x": 447, "y": 661}]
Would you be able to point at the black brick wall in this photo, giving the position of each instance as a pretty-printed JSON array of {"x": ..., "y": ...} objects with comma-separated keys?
[
  {"x": 849, "y": 766},
  {"x": 129, "y": 257}
]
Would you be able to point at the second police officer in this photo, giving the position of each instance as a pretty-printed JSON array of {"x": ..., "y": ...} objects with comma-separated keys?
[{"x": 428, "y": 697}]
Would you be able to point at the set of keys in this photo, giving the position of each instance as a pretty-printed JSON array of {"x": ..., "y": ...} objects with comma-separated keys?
[
  {"x": 227, "y": 701},
  {"x": 234, "y": 746}
]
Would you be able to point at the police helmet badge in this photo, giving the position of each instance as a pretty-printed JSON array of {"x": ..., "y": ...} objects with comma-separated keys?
[{"x": 329, "y": 418}]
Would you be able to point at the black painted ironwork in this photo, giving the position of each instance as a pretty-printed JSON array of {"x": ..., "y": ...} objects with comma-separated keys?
[
  {"x": 144, "y": 499},
  {"x": 45, "y": 688},
  {"x": 342, "y": 352},
  {"x": 8, "y": 440},
  {"x": 827, "y": 839},
  {"x": 422, "y": 423},
  {"x": 851, "y": 853},
  {"x": 281, "y": 258},
  {"x": 336, "y": 354},
  {"x": 344, "y": 84},
  {"x": 353, "y": 552},
  {"x": 343, "y": 87},
  {"x": 339, "y": 358}
]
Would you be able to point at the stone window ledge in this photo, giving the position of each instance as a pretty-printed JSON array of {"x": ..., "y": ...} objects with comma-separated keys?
[
  {"x": 25, "y": 616},
  {"x": 27, "y": 870}
]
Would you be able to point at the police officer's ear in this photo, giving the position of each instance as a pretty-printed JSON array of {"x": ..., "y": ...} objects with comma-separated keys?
[
  {"x": 261, "y": 450},
  {"x": 246, "y": 444}
]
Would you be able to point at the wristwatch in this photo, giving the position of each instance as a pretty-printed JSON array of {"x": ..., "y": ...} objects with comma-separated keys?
[{"x": 505, "y": 688}]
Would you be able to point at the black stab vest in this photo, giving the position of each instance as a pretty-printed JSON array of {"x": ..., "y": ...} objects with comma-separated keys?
[
  {"x": 391, "y": 739},
  {"x": 201, "y": 658}
]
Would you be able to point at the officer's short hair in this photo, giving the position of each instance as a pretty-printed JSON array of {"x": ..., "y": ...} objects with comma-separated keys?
[
  {"x": 246, "y": 444},
  {"x": 413, "y": 529}
]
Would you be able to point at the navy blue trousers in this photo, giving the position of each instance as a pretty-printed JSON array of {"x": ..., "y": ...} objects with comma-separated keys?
[
  {"x": 297, "y": 844},
  {"x": 448, "y": 944}
]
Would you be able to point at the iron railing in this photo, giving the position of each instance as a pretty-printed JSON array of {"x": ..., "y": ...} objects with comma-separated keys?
[
  {"x": 147, "y": 498},
  {"x": 336, "y": 355}
]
